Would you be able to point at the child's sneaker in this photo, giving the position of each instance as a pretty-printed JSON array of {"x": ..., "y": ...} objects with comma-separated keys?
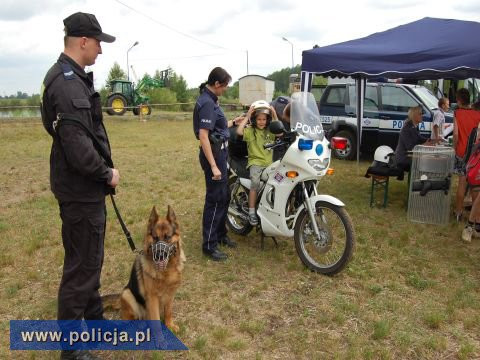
[
  {"x": 476, "y": 233},
  {"x": 253, "y": 219},
  {"x": 467, "y": 233}
]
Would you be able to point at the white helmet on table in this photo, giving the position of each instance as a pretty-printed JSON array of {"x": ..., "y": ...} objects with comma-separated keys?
[{"x": 383, "y": 156}]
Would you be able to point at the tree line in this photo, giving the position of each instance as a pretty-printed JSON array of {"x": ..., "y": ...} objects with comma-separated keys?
[
  {"x": 33, "y": 100},
  {"x": 174, "y": 91},
  {"x": 19, "y": 95}
]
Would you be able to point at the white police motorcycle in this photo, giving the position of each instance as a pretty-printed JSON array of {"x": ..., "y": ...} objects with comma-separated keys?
[{"x": 289, "y": 203}]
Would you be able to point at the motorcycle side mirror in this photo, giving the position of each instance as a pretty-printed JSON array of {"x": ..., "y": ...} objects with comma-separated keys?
[{"x": 276, "y": 127}]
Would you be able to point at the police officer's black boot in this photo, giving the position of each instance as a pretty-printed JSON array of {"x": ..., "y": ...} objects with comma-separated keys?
[
  {"x": 215, "y": 255},
  {"x": 77, "y": 355},
  {"x": 228, "y": 242}
]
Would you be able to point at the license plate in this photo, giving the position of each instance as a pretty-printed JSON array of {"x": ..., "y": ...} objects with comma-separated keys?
[{"x": 326, "y": 119}]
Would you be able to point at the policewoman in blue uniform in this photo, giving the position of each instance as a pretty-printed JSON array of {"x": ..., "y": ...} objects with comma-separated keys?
[
  {"x": 211, "y": 128},
  {"x": 79, "y": 175}
]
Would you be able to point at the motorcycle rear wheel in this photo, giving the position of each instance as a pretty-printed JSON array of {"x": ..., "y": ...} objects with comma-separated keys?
[
  {"x": 333, "y": 251},
  {"x": 238, "y": 196}
]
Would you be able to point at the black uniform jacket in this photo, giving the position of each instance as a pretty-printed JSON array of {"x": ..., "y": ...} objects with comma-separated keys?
[{"x": 77, "y": 171}]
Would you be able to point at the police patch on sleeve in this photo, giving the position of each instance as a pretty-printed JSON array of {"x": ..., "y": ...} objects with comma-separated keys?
[{"x": 68, "y": 73}]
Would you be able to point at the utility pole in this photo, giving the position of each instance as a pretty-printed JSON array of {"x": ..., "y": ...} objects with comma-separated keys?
[
  {"x": 285, "y": 39},
  {"x": 128, "y": 69}
]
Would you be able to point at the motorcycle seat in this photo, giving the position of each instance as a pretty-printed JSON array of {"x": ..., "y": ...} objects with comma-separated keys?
[{"x": 239, "y": 165}]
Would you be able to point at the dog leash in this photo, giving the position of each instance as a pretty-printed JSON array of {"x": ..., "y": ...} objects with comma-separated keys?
[{"x": 124, "y": 227}]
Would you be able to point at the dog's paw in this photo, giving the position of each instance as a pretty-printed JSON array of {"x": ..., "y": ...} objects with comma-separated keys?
[{"x": 173, "y": 327}]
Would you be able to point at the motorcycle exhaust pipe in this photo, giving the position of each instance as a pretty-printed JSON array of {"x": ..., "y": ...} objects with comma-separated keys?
[{"x": 235, "y": 212}]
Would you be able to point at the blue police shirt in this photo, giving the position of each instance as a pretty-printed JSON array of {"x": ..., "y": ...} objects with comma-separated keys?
[{"x": 208, "y": 115}]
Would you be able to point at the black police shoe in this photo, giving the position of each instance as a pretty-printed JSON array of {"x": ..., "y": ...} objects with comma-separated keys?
[
  {"x": 228, "y": 242},
  {"x": 77, "y": 355},
  {"x": 215, "y": 255}
]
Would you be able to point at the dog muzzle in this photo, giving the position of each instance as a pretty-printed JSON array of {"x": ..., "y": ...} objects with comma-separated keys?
[{"x": 161, "y": 252}]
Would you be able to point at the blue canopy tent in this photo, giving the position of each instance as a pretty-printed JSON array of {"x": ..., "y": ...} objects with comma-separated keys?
[{"x": 429, "y": 48}]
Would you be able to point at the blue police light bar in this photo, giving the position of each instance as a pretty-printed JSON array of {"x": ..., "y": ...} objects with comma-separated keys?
[
  {"x": 305, "y": 144},
  {"x": 319, "y": 149}
]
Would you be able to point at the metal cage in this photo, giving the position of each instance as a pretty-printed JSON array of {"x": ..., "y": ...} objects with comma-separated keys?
[{"x": 429, "y": 184}]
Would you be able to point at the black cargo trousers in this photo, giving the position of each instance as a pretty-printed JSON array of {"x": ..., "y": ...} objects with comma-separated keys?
[{"x": 83, "y": 233}]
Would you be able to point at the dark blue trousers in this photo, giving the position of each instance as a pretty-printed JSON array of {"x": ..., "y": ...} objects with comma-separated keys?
[{"x": 217, "y": 197}]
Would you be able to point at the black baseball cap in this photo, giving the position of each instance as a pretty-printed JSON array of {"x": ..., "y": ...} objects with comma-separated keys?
[{"x": 83, "y": 24}]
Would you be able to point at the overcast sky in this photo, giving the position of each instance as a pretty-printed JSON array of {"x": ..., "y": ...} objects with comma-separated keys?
[{"x": 192, "y": 38}]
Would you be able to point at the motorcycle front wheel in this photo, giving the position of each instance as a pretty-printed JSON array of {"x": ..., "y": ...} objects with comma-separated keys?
[
  {"x": 238, "y": 204},
  {"x": 330, "y": 253}
]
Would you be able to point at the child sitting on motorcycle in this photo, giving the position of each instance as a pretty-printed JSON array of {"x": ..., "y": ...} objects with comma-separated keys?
[{"x": 256, "y": 136}]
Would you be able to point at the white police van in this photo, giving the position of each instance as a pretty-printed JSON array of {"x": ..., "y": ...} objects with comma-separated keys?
[{"x": 385, "y": 109}]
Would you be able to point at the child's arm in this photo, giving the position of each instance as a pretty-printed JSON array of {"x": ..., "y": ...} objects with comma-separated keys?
[
  {"x": 273, "y": 112},
  {"x": 235, "y": 121},
  {"x": 244, "y": 122},
  {"x": 455, "y": 132},
  {"x": 274, "y": 118}
]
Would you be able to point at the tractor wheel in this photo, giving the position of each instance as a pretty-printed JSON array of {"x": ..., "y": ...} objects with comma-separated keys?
[
  {"x": 118, "y": 105},
  {"x": 146, "y": 110}
]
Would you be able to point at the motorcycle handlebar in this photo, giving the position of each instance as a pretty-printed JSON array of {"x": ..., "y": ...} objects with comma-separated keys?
[
  {"x": 286, "y": 139},
  {"x": 277, "y": 142},
  {"x": 269, "y": 146}
]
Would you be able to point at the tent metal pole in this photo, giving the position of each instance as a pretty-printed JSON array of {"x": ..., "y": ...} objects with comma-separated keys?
[
  {"x": 360, "y": 86},
  {"x": 306, "y": 81}
]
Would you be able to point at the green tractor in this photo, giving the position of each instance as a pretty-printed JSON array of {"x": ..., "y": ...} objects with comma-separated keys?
[{"x": 125, "y": 95}]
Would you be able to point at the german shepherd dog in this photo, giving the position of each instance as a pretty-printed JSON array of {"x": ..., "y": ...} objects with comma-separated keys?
[{"x": 156, "y": 274}]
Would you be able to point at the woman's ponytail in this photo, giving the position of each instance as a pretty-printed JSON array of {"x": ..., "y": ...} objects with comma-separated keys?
[{"x": 202, "y": 86}]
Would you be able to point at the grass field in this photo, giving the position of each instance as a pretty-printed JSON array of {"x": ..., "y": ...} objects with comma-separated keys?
[{"x": 412, "y": 291}]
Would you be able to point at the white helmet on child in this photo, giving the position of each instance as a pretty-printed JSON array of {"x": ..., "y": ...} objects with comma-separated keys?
[
  {"x": 383, "y": 155},
  {"x": 261, "y": 107},
  {"x": 260, "y": 104}
]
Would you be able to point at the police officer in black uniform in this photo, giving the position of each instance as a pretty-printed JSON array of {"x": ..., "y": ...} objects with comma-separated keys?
[
  {"x": 211, "y": 128},
  {"x": 79, "y": 176}
]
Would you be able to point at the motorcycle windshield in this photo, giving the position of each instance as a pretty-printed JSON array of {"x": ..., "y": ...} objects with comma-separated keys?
[{"x": 304, "y": 116}]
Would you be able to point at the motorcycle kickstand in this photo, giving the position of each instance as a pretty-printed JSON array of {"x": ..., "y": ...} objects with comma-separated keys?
[{"x": 262, "y": 237}]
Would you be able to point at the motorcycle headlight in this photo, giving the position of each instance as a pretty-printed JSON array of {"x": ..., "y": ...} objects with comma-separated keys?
[{"x": 319, "y": 165}]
